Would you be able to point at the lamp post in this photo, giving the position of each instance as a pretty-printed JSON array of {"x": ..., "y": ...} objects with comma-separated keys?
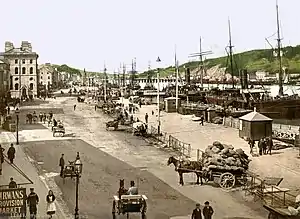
[
  {"x": 17, "y": 128},
  {"x": 78, "y": 171},
  {"x": 158, "y": 102}
]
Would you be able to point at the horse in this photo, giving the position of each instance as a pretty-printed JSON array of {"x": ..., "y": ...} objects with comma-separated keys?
[
  {"x": 122, "y": 190},
  {"x": 187, "y": 167}
]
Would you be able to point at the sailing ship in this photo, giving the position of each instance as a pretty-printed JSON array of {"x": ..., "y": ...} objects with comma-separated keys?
[{"x": 281, "y": 107}]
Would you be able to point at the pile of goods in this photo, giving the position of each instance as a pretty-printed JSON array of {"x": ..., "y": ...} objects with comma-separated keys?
[
  {"x": 223, "y": 157},
  {"x": 217, "y": 120}
]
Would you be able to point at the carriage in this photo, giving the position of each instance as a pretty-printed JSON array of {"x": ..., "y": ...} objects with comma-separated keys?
[
  {"x": 126, "y": 204},
  {"x": 139, "y": 128},
  {"x": 113, "y": 123},
  {"x": 226, "y": 178},
  {"x": 31, "y": 118},
  {"x": 69, "y": 171},
  {"x": 58, "y": 130}
]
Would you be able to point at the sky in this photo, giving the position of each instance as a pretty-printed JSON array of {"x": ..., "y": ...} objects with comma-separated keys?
[{"x": 88, "y": 34}]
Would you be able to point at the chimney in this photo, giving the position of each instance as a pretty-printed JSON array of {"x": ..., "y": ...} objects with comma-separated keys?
[
  {"x": 8, "y": 46},
  {"x": 26, "y": 46}
]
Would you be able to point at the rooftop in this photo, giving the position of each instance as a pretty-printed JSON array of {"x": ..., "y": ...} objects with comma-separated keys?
[{"x": 255, "y": 117}]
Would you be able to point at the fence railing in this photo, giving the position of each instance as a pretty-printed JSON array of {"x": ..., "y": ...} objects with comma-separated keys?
[{"x": 171, "y": 142}]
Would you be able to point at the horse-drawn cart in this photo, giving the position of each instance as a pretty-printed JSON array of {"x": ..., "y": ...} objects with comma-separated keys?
[
  {"x": 130, "y": 204},
  {"x": 58, "y": 131},
  {"x": 114, "y": 124}
]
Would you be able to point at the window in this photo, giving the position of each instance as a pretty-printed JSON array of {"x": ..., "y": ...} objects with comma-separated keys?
[
  {"x": 41, "y": 77},
  {"x": 23, "y": 61},
  {"x": 31, "y": 86},
  {"x": 16, "y": 61},
  {"x": 31, "y": 70},
  {"x": 16, "y": 86},
  {"x": 31, "y": 78},
  {"x": 47, "y": 73},
  {"x": 31, "y": 61},
  {"x": 16, "y": 79},
  {"x": 16, "y": 70},
  {"x": 23, "y": 70},
  {"x": 48, "y": 77}
]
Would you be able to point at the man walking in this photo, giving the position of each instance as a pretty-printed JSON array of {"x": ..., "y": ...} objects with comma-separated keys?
[
  {"x": 62, "y": 164},
  {"x": 32, "y": 201},
  {"x": 197, "y": 212},
  {"x": 11, "y": 153},
  {"x": 12, "y": 184},
  {"x": 146, "y": 118},
  {"x": 207, "y": 211}
]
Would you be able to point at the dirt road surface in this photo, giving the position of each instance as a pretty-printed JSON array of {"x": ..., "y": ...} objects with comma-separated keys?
[{"x": 88, "y": 125}]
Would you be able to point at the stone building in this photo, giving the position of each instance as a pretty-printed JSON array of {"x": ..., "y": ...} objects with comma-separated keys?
[
  {"x": 23, "y": 69},
  {"x": 4, "y": 87}
]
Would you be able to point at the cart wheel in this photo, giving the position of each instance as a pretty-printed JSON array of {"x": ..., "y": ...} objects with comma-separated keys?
[
  {"x": 272, "y": 216},
  {"x": 227, "y": 180}
]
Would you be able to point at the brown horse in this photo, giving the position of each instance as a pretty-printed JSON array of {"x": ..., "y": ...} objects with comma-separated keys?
[{"x": 187, "y": 167}]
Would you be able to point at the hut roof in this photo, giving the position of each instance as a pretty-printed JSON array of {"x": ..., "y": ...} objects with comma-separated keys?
[{"x": 255, "y": 117}]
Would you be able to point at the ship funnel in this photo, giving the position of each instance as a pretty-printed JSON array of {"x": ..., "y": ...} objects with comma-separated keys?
[{"x": 254, "y": 109}]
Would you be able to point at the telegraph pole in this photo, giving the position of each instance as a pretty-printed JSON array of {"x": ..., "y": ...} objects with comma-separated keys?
[
  {"x": 176, "y": 72},
  {"x": 124, "y": 71},
  {"x": 105, "y": 78},
  {"x": 158, "y": 98}
]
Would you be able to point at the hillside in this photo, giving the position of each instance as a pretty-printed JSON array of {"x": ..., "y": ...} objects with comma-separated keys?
[{"x": 255, "y": 60}]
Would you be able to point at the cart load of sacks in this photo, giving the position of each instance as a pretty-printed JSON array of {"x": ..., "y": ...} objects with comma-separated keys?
[{"x": 223, "y": 157}]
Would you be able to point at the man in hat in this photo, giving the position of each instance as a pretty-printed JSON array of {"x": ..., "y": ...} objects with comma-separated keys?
[
  {"x": 32, "y": 201},
  {"x": 62, "y": 164},
  {"x": 11, "y": 153},
  {"x": 12, "y": 184},
  {"x": 197, "y": 212},
  {"x": 133, "y": 190},
  {"x": 207, "y": 211}
]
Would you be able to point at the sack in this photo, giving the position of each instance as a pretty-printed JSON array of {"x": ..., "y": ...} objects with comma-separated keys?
[{"x": 51, "y": 208}]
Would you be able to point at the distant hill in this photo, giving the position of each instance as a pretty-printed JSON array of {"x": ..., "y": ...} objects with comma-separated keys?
[{"x": 255, "y": 60}]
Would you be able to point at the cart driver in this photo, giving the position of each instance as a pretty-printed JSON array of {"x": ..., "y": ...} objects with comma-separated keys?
[{"x": 133, "y": 190}]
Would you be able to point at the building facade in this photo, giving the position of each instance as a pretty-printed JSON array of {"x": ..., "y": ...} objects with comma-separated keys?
[
  {"x": 4, "y": 87},
  {"x": 23, "y": 64}
]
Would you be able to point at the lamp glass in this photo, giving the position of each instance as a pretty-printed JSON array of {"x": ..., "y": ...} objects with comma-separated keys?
[{"x": 78, "y": 166}]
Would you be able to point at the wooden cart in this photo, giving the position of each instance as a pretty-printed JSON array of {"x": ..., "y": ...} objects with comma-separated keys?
[{"x": 279, "y": 213}]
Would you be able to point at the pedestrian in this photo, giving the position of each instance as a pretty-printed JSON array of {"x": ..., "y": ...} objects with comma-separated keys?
[
  {"x": 51, "y": 208},
  {"x": 260, "y": 146},
  {"x": 264, "y": 146},
  {"x": 51, "y": 115},
  {"x": 269, "y": 145},
  {"x": 12, "y": 184},
  {"x": 197, "y": 212},
  {"x": 41, "y": 117},
  {"x": 207, "y": 211},
  {"x": 140, "y": 104},
  {"x": 32, "y": 201},
  {"x": 74, "y": 107},
  {"x": 152, "y": 112},
  {"x": 146, "y": 118},
  {"x": 95, "y": 107},
  {"x": 251, "y": 144},
  {"x": 44, "y": 118},
  {"x": 2, "y": 158},
  {"x": 62, "y": 164},
  {"x": 11, "y": 153},
  {"x": 202, "y": 120}
]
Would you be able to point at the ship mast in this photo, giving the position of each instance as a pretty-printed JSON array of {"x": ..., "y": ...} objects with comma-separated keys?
[
  {"x": 230, "y": 53},
  {"x": 280, "y": 93}
]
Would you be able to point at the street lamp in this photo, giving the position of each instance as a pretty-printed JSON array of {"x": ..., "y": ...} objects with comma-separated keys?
[
  {"x": 17, "y": 128},
  {"x": 78, "y": 171},
  {"x": 158, "y": 102}
]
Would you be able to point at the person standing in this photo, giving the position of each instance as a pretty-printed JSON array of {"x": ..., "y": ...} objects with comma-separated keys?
[
  {"x": 51, "y": 208},
  {"x": 2, "y": 158},
  {"x": 207, "y": 211},
  {"x": 12, "y": 184},
  {"x": 11, "y": 153},
  {"x": 197, "y": 212},
  {"x": 62, "y": 164},
  {"x": 269, "y": 145},
  {"x": 32, "y": 201},
  {"x": 202, "y": 120},
  {"x": 95, "y": 107},
  {"x": 74, "y": 107},
  {"x": 146, "y": 118}
]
